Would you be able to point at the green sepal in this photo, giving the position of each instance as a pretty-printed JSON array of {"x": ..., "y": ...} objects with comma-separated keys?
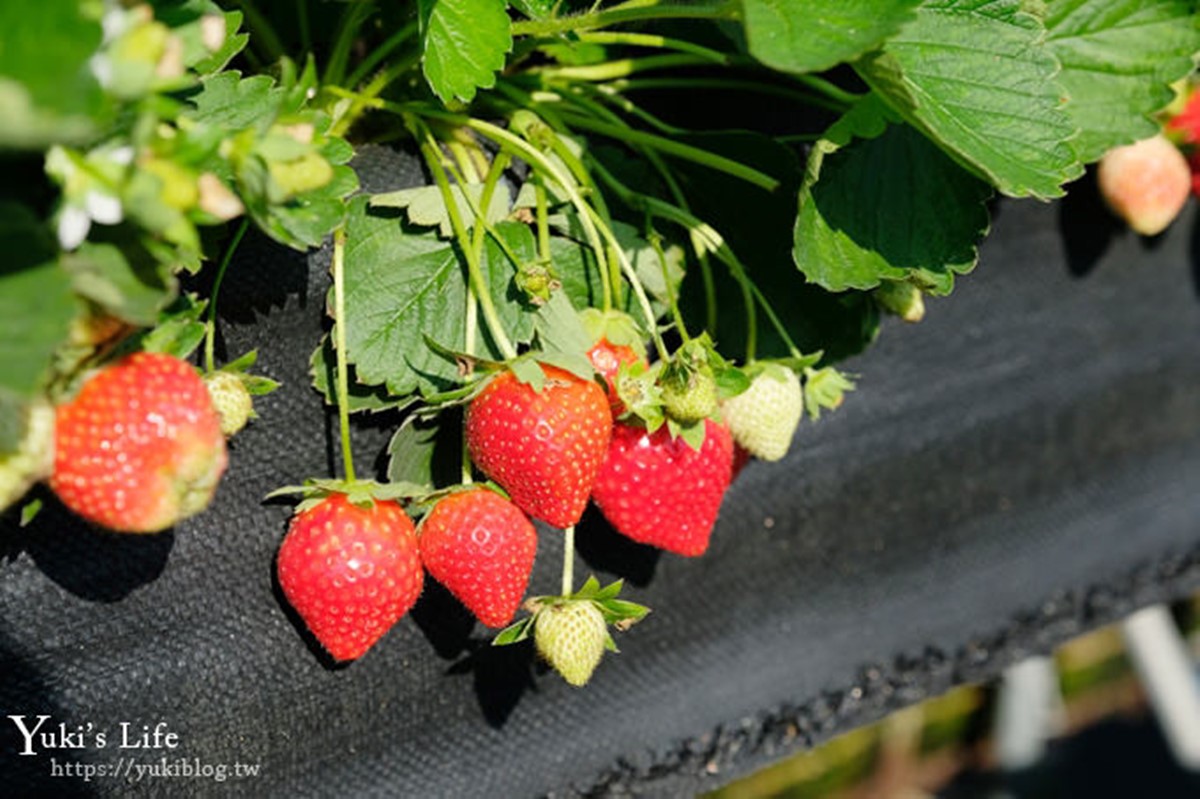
[
  {"x": 617, "y": 327},
  {"x": 256, "y": 385},
  {"x": 516, "y": 632},
  {"x": 824, "y": 388},
  {"x": 360, "y": 492},
  {"x": 692, "y": 434},
  {"x": 29, "y": 512},
  {"x": 465, "y": 360}
]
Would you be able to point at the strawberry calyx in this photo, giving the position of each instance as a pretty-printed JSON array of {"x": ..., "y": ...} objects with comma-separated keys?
[
  {"x": 825, "y": 388},
  {"x": 362, "y": 493},
  {"x": 620, "y": 613}
]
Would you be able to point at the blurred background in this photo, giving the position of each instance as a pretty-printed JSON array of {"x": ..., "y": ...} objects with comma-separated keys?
[{"x": 1114, "y": 713}]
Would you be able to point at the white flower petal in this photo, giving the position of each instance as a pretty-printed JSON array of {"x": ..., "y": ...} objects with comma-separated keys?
[
  {"x": 73, "y": 226},
  {"x": 104, "y": 208}
]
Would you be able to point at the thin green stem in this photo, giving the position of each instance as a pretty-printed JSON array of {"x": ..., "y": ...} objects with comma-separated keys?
[
  {"x": 543, "y": 219},
  {"x": 380, "y": 52},
  {"x": 671, "y": 147},
  {"x": 622, "y": 68},
  {"x": 729, "y": 84},
  {"x": 210, "y": 334},
  {"x": 433, "y": 158},
  {"x": 714, "y": 242},
  {"x": 656, "y": 244},
  {"x": 652, "y": 40},
  {"x": 352, "y": 19},
  {"x": 262, "y": 32},
  {"x": 339, "y": 329},
  {"x": 302, "y": 20},
  {"x": 626, "y": 12},
  {"x": 568, "y": 568},
  {"x": 609, "y": 95}
]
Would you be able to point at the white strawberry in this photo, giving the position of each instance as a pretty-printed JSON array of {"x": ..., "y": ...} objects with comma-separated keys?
[
  {"x": 764, "y": 417},
  {"x": 571, "y": 635}
]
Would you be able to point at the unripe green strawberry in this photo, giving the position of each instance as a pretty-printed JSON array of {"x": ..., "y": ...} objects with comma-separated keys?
[
  {"x": 571, "y": 636},
  {"x": 689, "y": 395},
  {"x": 139, "y": 448},
  {"x": 1145, "y": 183},
  {"x": 33, "y": 459},
  {"x": 764, "y": 417},
  {"x": 231, "y": 400},
  {"x": 902, "y": 299}
]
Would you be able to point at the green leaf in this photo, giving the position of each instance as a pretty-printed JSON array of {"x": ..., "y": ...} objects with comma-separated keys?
[
  {"x": 528, "y": 371},
  {"x": 562, "y": 337},
  {"x": 48, "y": 92},
  {"x": 403, "y": 286},
  {"x": 178, "y": 331},
  {"x": 36, "y": 302},
  {"x": 134, "y": 290},
  {"x": 464, "y": 45},
  {"x": 838, "y": 324},
  {"x": 426, "y": 451},
  {"x": 535, "y": 9},
  {"x": 514, "y": 633},
  {"x": 228, "y": 100},
  {"x": 576, "y": 265},
  {"x": 977, "y": 77},
  {"x": 305, "y": 220},
  {"x": 814, "y": 35},
  {"x": 426, "y": 206},
  {"x": 1119, "y": 58},
  {"x": 359, "y": 397},
  {"x": 893, "y": 207}
]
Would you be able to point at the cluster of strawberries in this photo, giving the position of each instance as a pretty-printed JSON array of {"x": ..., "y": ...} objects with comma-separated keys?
[
  {"x": 352, "y": 568},
  {"x": 140, "y": 446}
]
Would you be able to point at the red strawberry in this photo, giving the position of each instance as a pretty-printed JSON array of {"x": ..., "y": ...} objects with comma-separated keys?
[
  {"x": 607, "y": 358},
  {"x": 660, "y": 491},
  {"x": 481, "y": 547},
  {"x": 544, "y": 447},
  {"x": 1185, "y": 125},
  {"x": 139, "y": 448},
  {"x": 350, "y": 571}
]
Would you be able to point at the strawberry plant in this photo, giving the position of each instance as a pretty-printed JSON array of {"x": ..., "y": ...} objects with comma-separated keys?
[{"x": 648, "y": 235}]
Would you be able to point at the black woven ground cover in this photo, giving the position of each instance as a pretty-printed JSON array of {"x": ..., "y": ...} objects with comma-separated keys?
[{"x": 1018, "y": 468}]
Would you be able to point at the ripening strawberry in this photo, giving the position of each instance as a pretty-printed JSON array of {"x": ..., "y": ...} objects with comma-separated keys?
[
  {"x": 33, "y": 458},
  {"x": 764, "y": 417},
  {"x": 1145, "y": 183},
  {"x": 481, "y": 547},
  {"x": 139, "y": 448},
  {"x": 571, "y": 637},
  {"x": 350, "y": 571},
  {"x": 607, "y": 358},
  {"x": 231, "y": 399},
  {"x": 544, "y": 447},
  {"x": 659, "y": 491}
]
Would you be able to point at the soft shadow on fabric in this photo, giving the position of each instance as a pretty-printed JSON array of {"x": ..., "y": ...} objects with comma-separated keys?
[{"x": 91, "y": 563}]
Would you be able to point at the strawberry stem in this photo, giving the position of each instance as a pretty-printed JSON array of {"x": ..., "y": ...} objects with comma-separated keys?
[
  {"x": 210, "y": 332},
  {"x": 432, "y": 154},
  {"x": 339, "y": 334},
  {"x": 626, "y": 12},
  {"x": 568, "y": 569}
]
